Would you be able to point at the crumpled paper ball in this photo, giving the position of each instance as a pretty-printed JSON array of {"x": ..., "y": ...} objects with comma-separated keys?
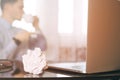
[{"x": 34, "y": 61}]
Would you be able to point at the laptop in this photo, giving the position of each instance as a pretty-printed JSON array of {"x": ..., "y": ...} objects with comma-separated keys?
[{"x": 103, "y": 40}]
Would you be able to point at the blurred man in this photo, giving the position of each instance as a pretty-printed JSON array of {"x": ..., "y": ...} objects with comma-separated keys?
[{"x": 12, "y": 38}]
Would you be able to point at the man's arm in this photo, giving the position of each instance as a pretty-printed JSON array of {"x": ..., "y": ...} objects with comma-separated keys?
[
  {"x": 40, "y": 40},
  {"x": 9, "y": 44}
]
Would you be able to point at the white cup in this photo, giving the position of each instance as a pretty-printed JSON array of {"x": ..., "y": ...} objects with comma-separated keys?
[{"x": 28, "y": 18}]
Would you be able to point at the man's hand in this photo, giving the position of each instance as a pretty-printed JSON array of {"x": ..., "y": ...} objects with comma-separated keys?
[
  {"x": 22, "y": 36},
  {"x": 36, "y": 22}
]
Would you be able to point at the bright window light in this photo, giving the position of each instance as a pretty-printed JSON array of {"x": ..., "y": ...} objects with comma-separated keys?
[
  {"x": 85, "y": 16},
  {"x": 65, "y": 19}
]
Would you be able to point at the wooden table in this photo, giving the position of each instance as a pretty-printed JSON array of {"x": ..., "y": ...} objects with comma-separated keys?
[{"x": 52, "y": 74}]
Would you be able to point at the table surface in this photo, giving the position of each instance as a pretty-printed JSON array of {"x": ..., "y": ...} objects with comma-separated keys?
[{"x": 53, "y": 73}]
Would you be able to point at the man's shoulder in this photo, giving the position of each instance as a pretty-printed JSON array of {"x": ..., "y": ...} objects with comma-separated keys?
[{"x": 4, "y": 24}]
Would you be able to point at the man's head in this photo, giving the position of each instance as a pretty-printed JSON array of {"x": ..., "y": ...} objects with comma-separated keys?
[{"x": 12, "y": 8}]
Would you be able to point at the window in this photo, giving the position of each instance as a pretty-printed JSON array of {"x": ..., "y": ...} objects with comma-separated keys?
[
  {"x": 65, "y": 18},
  {"x": 67, "y": 13}
]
